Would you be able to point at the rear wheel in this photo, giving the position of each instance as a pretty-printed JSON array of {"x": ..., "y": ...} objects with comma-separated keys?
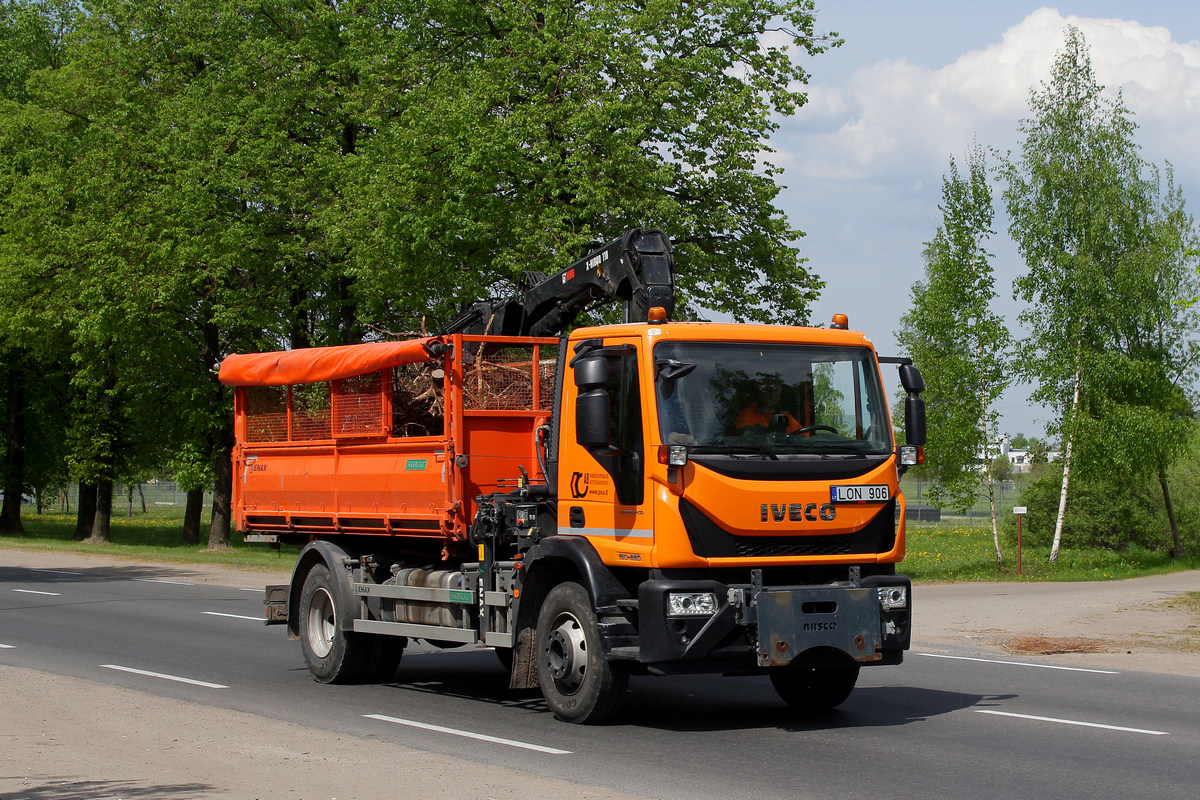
[
  {"x": 578, "y": 682},
  {"x": 332, "y": 654},
  {"x": 814, "y": 689}
]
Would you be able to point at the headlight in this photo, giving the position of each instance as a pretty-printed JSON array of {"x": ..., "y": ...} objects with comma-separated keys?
[
  {"x": 691, "y": 604},
  {"x": 893, "y": 596}
]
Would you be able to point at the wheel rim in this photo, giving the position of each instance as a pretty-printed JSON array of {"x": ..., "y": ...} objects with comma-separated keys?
[
  {"x": 321, "y": 627},
  {"x": 566, "y": 654}
]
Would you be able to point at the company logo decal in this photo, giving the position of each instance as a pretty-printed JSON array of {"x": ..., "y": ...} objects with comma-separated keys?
[{"x": 579, "y": 484}]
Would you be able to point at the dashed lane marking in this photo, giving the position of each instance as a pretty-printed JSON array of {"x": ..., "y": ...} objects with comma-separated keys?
[
  {"x": 1070, "y": 722},
  {"x": 468, "y": 734},
  {"x": 165, "y": 677},
  {"x": 1020, "y": 663},
  {"x": 232, "y": 616}
]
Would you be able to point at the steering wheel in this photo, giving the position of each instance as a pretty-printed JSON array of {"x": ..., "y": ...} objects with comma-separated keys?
[{"x": 813, "y": 428}]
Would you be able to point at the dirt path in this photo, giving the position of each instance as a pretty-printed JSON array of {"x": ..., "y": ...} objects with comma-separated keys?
[
  {"x": 69, "y": 739},
  {"x": 1136, "y": 624}
]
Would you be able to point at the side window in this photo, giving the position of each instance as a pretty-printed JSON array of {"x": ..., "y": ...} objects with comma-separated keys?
[{"x": 625, "y": 409}]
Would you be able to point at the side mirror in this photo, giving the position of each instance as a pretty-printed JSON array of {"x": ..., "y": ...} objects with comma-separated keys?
[
  {"x": 592, "y": 412},
  {"x": 911, "y": 380},
  {"x": 914, "y": 419},
  {"x": 591, "y": 372},
  {"x": 592, "y": 418}
]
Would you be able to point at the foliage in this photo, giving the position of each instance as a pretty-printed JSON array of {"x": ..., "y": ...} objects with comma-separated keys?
[
  {"x": 1109, "y": 509},
  {"x": 183, "y": 179},
  {"x": 960, "y": 344},
  {"x": 1109, "y": 257}
]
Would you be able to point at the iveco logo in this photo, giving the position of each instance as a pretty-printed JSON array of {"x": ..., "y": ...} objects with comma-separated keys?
[{"x": 798, "y": 512}]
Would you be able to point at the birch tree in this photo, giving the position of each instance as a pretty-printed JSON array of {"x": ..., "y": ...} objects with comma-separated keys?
[
  {"x": 1106, "y": 255},
  {"x": 960, "y": 343}
]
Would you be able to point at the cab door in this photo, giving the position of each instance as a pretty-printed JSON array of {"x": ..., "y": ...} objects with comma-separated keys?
[{"x": 603, "y": 492}]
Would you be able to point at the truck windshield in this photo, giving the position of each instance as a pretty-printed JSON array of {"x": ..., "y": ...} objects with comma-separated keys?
[{"x": 772, "y": 399}]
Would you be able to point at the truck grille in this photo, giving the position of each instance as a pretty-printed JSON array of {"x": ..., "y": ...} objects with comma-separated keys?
[{"x": 710, "y": 540}]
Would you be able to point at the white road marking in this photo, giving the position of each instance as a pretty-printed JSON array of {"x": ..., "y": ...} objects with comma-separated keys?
[
  {"x": 165, "y": 677},
  {"x": 1070, "y": 722},
  {"x": 55, "y": 571},
  {"x": 248, "y": 589},
  {"x": 159, "y": 580},
  {"x": 232, "y": 616},
  {"x": 1020, "y": 663},
  {"x": 481, "y": 737},
  {"x": 31, "y": 591},
  {"x": 7, "y": 646}
]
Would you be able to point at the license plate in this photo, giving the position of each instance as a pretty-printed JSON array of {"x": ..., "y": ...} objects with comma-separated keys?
[{"x": 873, "y": 493}]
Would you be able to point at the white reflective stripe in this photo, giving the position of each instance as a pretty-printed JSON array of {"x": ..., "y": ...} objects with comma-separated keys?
[{"x": 607, "y": 533}]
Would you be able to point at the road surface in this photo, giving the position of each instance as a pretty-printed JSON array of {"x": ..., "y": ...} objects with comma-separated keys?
[{"x": 149, "y": 681}]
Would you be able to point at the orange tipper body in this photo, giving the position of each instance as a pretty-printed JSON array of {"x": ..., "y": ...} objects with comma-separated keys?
[
  {"x": 665, "y": 497},
  {"x": 390, "y": 439}
]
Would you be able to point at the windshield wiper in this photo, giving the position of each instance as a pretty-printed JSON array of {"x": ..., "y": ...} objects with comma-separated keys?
[{"x": 736, "y": 450}]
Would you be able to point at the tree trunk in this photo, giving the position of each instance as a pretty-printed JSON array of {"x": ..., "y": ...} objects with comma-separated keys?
[
  {"x": 191, "y": 516},
  {"x": 85, "y": 513},
  {"x": 1177, "y": 549},
  {"x": 102, "y": 527},
  {"x": 219, "y": 530},
  {"x": 14, "y": 451},
  {"x": 223, "y": 442},
  {"x": 1062, "y": 498}
]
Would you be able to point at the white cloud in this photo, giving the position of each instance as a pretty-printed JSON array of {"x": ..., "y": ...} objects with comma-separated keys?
[{"x": 894, "y": 119}]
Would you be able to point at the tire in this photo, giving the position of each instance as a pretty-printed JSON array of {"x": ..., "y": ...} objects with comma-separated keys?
[
  {"x": 383, "y": 657},
  {"x": 812, "y": 689},
  {"x": 580, "y": 685},
  {"x": 332, "y": 655}
]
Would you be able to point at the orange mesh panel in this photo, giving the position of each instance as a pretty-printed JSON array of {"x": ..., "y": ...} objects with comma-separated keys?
[
  {"x": 546, "y": 367},
  {"x": 358, "y": 406},
  {"x": 266, "y": 414},
  {"x": 498, "y": 379},
  {"x": 310, "y": 411}
]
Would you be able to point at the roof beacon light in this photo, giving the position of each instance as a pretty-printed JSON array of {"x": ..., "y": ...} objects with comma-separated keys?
[
  {"x": 656, "y": 314},
  {"x": 841, "y": 322}
]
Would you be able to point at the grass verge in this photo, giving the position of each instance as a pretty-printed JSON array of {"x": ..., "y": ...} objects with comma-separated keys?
[
  {"x": 941, "y": 552},
  {"x": 153, "y": 536},
  {"x": 950, "y": 552}
]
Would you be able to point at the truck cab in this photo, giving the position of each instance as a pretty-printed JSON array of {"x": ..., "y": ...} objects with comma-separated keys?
[{"x": 717, "y": 468}]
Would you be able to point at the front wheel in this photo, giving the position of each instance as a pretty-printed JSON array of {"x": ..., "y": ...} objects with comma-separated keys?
[
  {"x": 332, "y": 654},
  {"x": 812, "y": 689},
  {"x": 578, "y": 682}
]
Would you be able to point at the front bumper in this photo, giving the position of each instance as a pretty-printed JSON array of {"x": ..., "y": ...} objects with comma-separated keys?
[{"x": 771, "y": 626}]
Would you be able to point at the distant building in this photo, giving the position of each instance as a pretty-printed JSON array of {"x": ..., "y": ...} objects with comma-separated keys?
[{"x": 1021, "y": 461}]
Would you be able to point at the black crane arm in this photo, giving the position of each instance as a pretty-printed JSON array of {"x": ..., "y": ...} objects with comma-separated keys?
[{"x": 638, "y": 268}]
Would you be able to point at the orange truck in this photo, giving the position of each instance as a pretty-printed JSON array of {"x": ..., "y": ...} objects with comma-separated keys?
[{"x": 649, "y": 497}]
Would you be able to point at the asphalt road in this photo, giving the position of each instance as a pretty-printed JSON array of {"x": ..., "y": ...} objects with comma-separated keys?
[{"x": 949, "y": 724}]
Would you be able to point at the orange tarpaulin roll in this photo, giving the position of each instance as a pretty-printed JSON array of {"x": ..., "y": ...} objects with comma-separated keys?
[{"x": 313, "y": 364}]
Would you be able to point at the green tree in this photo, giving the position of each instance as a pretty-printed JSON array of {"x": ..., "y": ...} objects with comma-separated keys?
[
  {"x": 960, "y": 344},
  {"x": 32, "y": 39},
  {"x": 1106, "y": 253},
  {"x": 506, "y": 137},
  {"x": 194, "y": 177}
]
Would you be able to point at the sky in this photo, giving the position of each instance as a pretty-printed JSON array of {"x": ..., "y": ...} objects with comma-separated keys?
[{"x": 917, "y": 83}]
